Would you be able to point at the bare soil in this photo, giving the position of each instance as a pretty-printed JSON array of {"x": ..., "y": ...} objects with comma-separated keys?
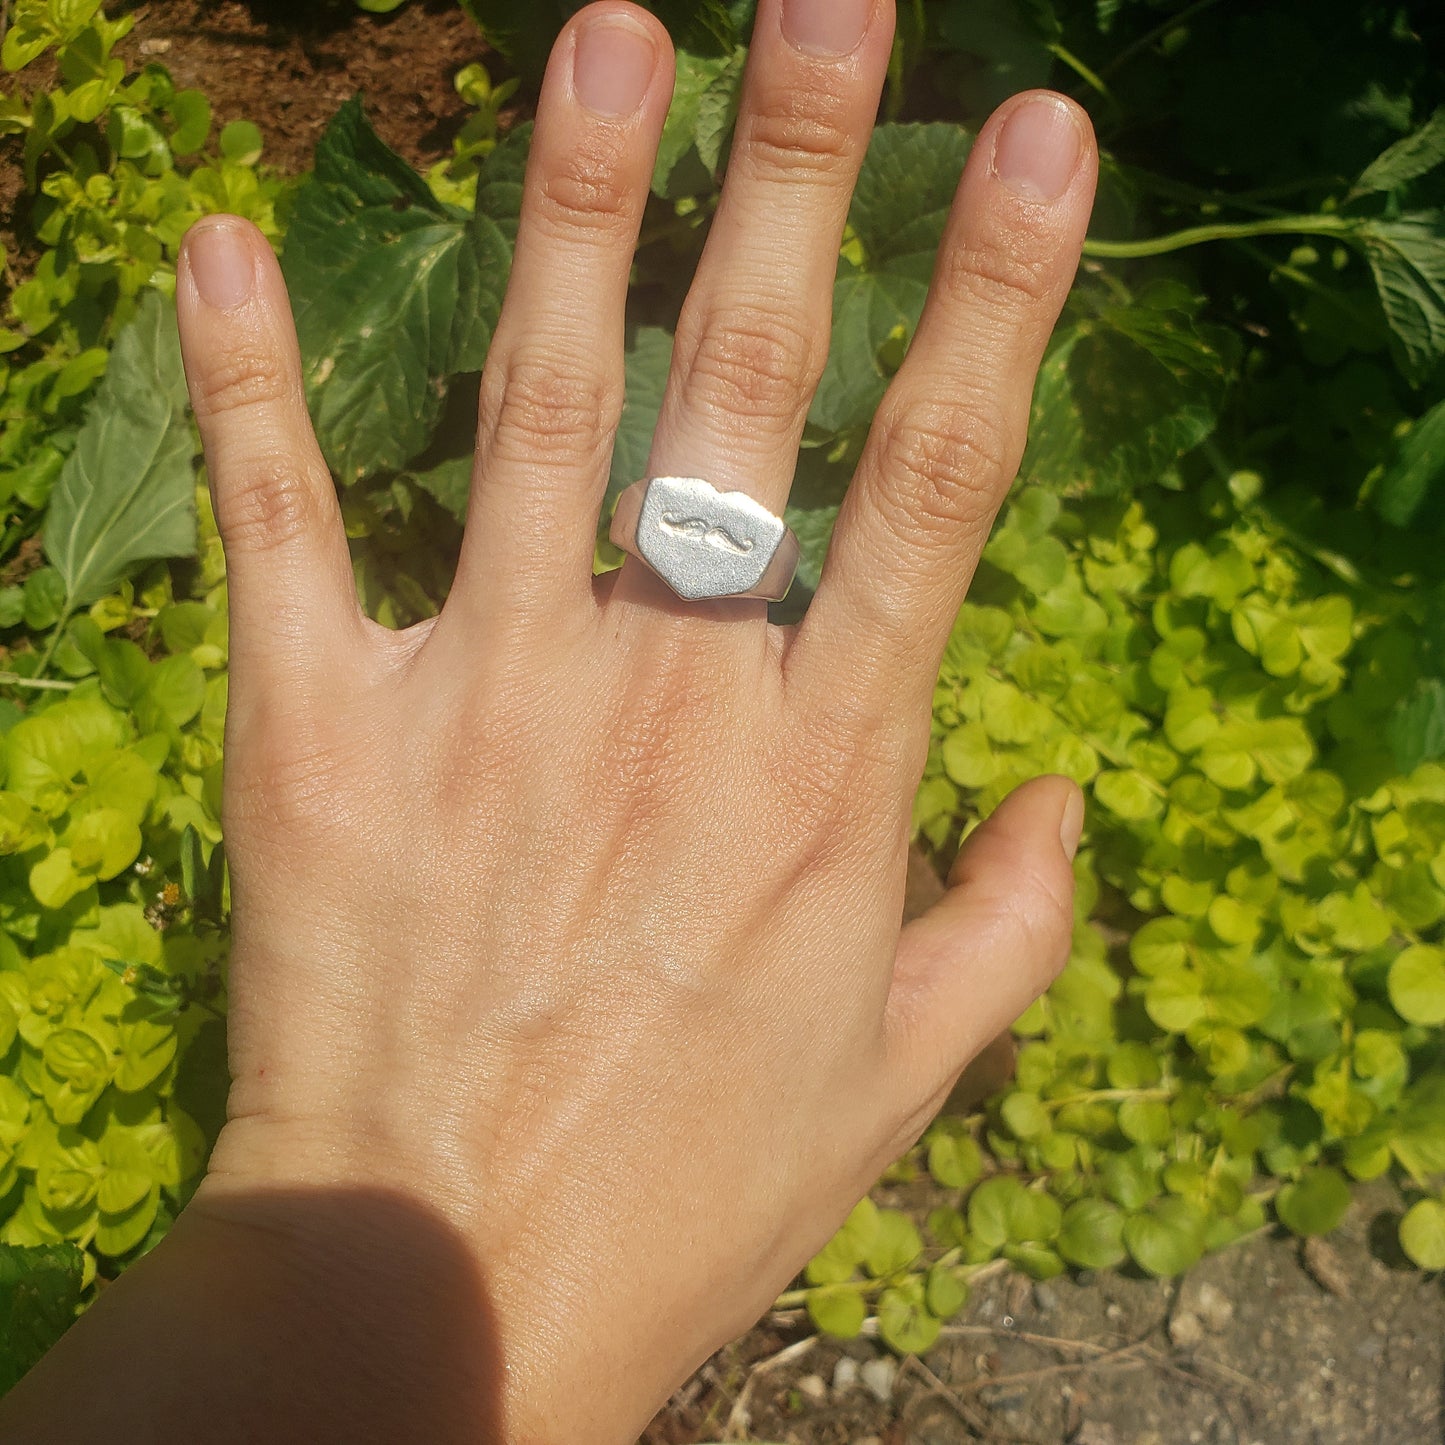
[{"x": 1268, "y": 1343}]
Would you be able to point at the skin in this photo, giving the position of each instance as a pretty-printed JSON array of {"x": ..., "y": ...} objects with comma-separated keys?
[{"x": 569, "y": 1008}]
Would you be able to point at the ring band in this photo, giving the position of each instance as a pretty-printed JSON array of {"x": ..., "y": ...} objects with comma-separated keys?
[{"x": 705, "y": 543}]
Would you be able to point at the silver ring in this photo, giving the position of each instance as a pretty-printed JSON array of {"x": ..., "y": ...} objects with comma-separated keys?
[{"x": 705, "y": 543}]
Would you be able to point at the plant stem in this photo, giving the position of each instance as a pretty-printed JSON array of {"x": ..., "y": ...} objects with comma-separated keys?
[
  {"x": 1137, "y": 47},
  {"x": 1316, "y": 225},
  {"x": 1067, "y": 57},
  {"x": 16, "y": 679},
  {"x": 55, "y": 636}
]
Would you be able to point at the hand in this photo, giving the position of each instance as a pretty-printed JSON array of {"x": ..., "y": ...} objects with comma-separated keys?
[{"x": 572, "y": 918}]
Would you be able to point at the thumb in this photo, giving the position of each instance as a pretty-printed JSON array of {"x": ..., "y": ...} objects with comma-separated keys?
[{"x": 991, "y": 945}]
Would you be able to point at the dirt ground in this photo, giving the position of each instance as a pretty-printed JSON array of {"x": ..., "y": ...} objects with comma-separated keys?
[{"x": 1265, "y": 1344}]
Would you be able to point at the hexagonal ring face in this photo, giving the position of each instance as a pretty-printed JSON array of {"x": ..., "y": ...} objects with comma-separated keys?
[{"x": 705, "y": 543}]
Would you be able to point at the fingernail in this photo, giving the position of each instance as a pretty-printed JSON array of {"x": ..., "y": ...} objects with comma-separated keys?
[
  {"x": 826, "y": 27},
  {"x": 221, "y": 263},
  {"x": 612, "y": 66},
  {"x": 1071, "y": 825},
  {"x": 1037, "y": 151}
]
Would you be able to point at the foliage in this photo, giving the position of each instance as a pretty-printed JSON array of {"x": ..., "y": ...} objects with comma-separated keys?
[
  {"x": 1213, "y": 602},
  {"x": 116, "y": 168}
]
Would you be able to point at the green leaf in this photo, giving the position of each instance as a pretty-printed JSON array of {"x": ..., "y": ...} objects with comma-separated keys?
[
  {"x": 1001, "y": 1210},
  {"x": 1422, "y": 1233},
  {"x": 1416, "y": 982},
  {"x": 1126, "y": 392},
  {"x": 394, "y": 291},
  {"x": 1416, "y": 729},
  {"x": 191, "y": 112},
  {"x": 1092, "y": 1234},
  {"x": 118, "y": 1234},
  {"x": 954, "y": 1159},
  {"x": 1315, "y": 1203},
  {"x": 39, "y": 1299},
  {"x": 1414, "y": 468},
  {"x": 946, "y": 1291},
  {"x": 1407, "y": 256},
  {"x": 126, "y": 493},
  {"x": 843, "y": 1255},
  {"x": 896, "y": 1244},
  {"x": 1025, "y": 1115},
  {"x": 1415, "y": 155},
  {"x": 648, "y": 360},
  {"x": 127, "y": 1172},
  {"x": 1129, "y": 795},
  {"x": 904, "y": 1321},
  {"x": 1167, "y": 1239},
  {"x": 241, "y": 143},
  {"x": 703, "y": 85},
  {"x": 1145, "y": 1121},
  {"x": 900, "y": 204},
  {"x": 837, "y": 1310}
]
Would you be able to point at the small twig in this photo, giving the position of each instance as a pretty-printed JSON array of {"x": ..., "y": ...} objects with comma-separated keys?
[
  {"x": 738, "y": 1416},
  {"x": 970, "y": 1414},
  {"x": 1126, "y": 1356}
]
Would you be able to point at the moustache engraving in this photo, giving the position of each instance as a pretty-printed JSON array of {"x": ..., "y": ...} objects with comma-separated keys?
[{"x": 700, "y": 530}]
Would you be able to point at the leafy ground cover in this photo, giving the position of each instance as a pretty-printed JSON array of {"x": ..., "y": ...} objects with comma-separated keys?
[{"x": 1213, "y": 600}]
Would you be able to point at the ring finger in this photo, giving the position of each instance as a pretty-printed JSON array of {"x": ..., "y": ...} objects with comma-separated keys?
[{"x": 753, "y": 336}]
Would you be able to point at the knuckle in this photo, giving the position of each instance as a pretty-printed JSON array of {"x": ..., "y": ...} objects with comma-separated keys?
[
  {"x": 942, "y": 465},
  {"x": 799, "y": 131},
  {"x": 266, "y": 503},
  {"x": 754, "y": 362},
  {"x": 999, "y": 276},
  {"x": 585, "y": 189},
  {"x": 537, "y": 406},
  {"x": 240, "y": 379}
]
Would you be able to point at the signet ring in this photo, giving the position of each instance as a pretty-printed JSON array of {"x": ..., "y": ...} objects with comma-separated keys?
[{"x": 705, "y": 543}]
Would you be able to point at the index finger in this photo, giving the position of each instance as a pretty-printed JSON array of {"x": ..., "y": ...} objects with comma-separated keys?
[{"x": 949, "y": 434}]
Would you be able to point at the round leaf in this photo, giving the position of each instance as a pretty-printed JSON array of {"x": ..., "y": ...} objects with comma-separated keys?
[
  {"x": 1315, "y": 1203},
  {"x": 837, "y": 1310},
  {"x": 1422, "y": 1233},
  {"x": 904, "y": 1321},
  {"x": 1416, "y": 982},
  {"x": 1092, "y": 1234},
  {"x": 1167, "y": 1239}
]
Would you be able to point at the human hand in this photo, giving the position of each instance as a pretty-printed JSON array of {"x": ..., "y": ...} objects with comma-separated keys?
[{"x": 573, "y": 916}]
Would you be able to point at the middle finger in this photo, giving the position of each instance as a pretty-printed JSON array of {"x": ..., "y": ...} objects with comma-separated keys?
[{"x": 753, "y": 336}]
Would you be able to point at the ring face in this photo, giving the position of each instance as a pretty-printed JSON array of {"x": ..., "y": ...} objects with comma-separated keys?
[{"x": 706, "y": 543}]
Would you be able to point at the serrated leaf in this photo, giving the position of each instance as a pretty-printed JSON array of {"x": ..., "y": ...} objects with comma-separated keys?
[
  {"x": 900, "y": 204},
  {"x": 1414, "y": 469},
  {"x": 1416, "y": 728},
  {"x": 1415, "y": 155},
  {"x": 1407, "y": 257},
  {"x": 1126, "y": 392},
  {"x": 394, "y": 292},
  {"x": 39, "y": 1296},
  {"x": 126, "y": 494}
]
